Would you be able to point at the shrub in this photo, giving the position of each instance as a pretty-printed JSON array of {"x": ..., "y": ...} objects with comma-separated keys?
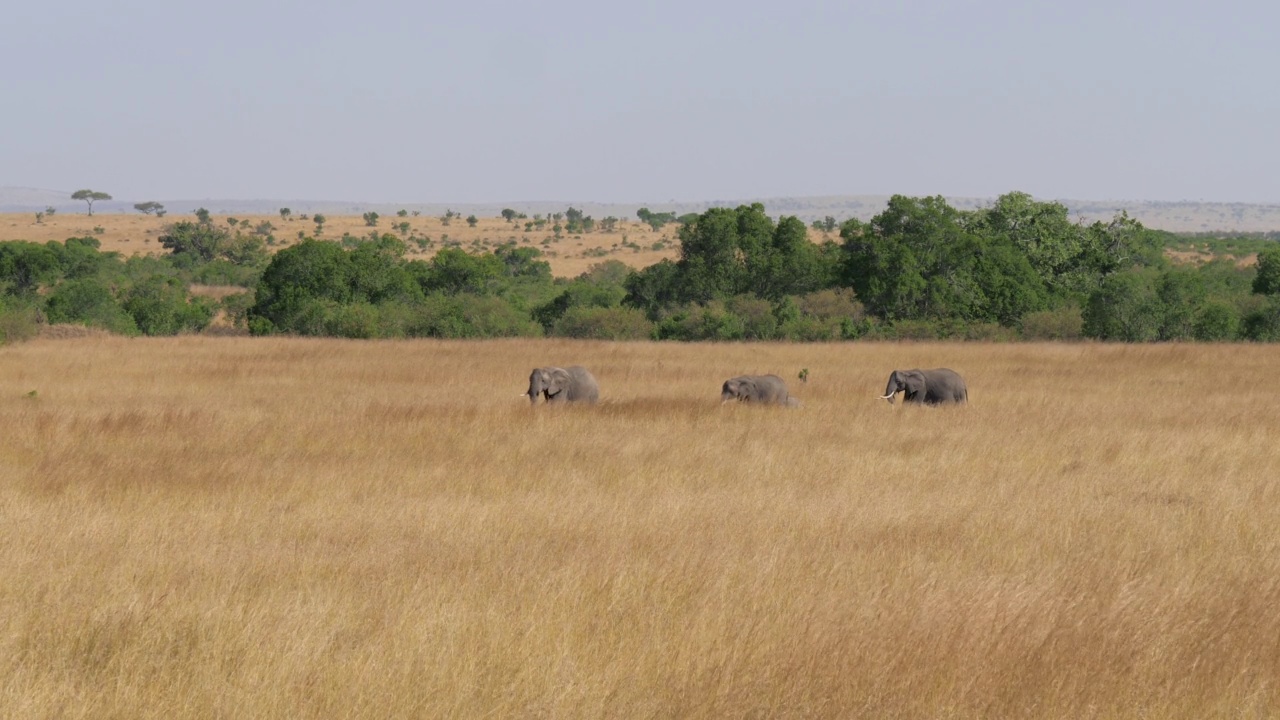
[
  {"x": 1124, "y": 307},
  {"x": 1217, "y": 321},
  {"x": 359, "y": 320},
  {"x": 19, "y": 320},
  {"x": 1262, "y": 323},
  {"x": 88, "y": 302},
  {"x": 756, "y": 315},
  {"x": 702, "y": 322},
  {"x": 601, "y": 323},
  {"x": 161, "y": 306},
  {"x": 1063, "y": 323}
]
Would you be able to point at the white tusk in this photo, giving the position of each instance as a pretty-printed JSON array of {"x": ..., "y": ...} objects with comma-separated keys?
[{"x": 887, "y": 397}]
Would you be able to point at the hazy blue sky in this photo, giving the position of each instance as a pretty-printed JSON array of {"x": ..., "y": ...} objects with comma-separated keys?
[{"x": 493, "y": 101}]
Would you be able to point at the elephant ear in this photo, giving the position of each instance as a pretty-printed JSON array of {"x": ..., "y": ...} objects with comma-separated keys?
[
  {"x": 914, "y": 381},
  {"x": 556, "y": 381}
]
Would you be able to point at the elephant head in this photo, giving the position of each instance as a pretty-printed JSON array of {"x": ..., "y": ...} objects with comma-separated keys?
[
  {"x": 548, "y": 382},
  {"x": 739, "y": 388},
  {"x": 910, "y": 382}
]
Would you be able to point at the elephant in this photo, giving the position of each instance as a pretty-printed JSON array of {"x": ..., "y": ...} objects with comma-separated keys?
[
  {"x": 930, "y": 387},
  {"x": 563, "y": 385},
  {"x": 767, "y": 389}
]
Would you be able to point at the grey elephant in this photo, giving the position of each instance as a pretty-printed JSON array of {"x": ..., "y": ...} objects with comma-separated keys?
[
  {"x": 930, "y": 387},
  {"x": 563, "y": 385},
  {"x": 766, "y": 389}
]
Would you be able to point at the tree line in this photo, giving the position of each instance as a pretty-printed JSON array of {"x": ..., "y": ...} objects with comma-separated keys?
[{"x": 1020, "y": 268}]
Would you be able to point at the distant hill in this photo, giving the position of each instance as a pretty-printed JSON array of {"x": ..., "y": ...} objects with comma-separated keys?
[{"x": 1180, "y": 216}]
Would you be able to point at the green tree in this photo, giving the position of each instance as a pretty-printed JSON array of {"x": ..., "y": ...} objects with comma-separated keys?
[
  {"x": 1182, "y": 294},
  {"x": 88, "y": 301},
  {"x": 826, "y": 224},
  {"x": 472, "y": 220},
  {"x": 1267, "y": 281},
  {"x": 523, "y": 262},
  {"x": 910, "y": 261},
  {"x": 319, "y": 220},
  {"x": 1124, "y": 307},
  {"x": 90, "y": 197},
  {"x": 1043, "y": 233},
  {"x": 199, "y": 241},
  {"x": 453, "y": 271},
  {"x": 285, "y": 213},
  {"x": 1217, "y": 321},
  {"x": 923, "y": 260},
  {"x": 653, "y": 288},
  {"x": 371, "y": 219},
  {"x": 147, "y": 208},
  {"x": 161, "y": 306},
  {"x": 26, "y": 266},
  {"x": 202, "y": 216},
  {"x": 296, "y": 287},
  {"x": 508, "y": 214}
]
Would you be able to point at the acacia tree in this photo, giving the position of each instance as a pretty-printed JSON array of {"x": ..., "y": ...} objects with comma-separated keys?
[
  {"x": 89, "y": 196},
  {"x": 146, "y": 208}
]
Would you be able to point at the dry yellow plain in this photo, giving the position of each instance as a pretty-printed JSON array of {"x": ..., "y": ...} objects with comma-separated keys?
[
  {"x": 293, "y": 528},
  {"x": 133, "y": 234}
]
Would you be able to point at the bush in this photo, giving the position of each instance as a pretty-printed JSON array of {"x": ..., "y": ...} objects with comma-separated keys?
[
  {"x": 1125, "y": 307},
  {"x": 19, "y": 320},
  {"x": 756, "y": 314},
  {"x": 600, "y": 323},
  {"x": 833, "y": 314},
  {"x": 702, "y": 322},
  {"x": 161, "y": 306},
  {"x": 1064, "y": 323},
  {"x": 469, "y": 316},
  {"x": 88, "y": 302},
  {"x": 1262, "y": 324},
  {"x": 1217, "y": 321},
  {"x": 360, "y": 320}
]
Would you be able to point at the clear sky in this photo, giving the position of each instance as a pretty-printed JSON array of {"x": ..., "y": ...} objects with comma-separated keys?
[{"x": 485, "y": 101}]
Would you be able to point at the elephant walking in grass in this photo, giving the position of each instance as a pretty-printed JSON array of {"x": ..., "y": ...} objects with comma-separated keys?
[
  {"x": 929, "y": 387},
  {"x": 563, "y": 385},
  {"x": 766, "y": 389}
]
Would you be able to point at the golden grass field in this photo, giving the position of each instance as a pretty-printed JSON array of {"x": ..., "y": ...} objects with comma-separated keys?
[
  {"x": 292, "y": 528},
  {"x": 569, "y": 255}
]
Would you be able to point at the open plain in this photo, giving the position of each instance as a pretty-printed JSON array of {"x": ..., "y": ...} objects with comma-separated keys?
[
  {"x": 289, "y": 528},
  {"x": 631, "y": 242}
]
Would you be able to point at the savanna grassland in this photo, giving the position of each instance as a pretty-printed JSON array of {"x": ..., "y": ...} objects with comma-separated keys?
[
  {"x": 288, "y": 528},
  {"x": 136, "y": 234}
]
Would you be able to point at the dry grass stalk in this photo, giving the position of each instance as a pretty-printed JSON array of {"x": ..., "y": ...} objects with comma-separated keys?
[{"x": 293, "y": 528}]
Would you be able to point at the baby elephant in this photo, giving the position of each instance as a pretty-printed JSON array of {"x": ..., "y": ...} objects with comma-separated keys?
[
  {"x": 768, "y": 389},
  {"x": 563, "y": 385},
  {"x": 931, "y": 387}
]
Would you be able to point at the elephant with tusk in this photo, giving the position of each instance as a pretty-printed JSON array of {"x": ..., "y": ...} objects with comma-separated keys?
[
  {"x": 929, "y": 387},
  {"x": 563, "y": 385}
]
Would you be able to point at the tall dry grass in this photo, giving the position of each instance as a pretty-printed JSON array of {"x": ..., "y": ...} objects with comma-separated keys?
[{"x": 316, "y": 528}]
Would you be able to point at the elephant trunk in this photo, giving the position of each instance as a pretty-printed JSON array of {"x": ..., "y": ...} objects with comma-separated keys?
[{"x": 891, "y": 389}]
